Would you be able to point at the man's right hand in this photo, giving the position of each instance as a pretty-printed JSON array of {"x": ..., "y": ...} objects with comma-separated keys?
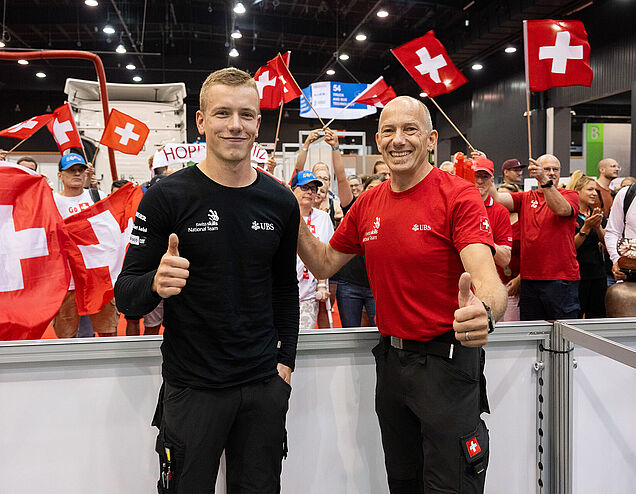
[
  {"x": 312, "y": 137},
  {"x": 173, "y": 271},
  {"x": 618, "y": 274}
]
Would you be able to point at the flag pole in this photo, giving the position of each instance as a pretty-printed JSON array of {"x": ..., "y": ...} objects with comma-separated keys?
[
  {"x": 96, "y": 153},
  {"x": 451, "y": 122},
  {"x": 13, "y": 148},
  {"x": 301, "y": 92},
  {"x": 280, "y": 115},
  {"x": 341, "y": 110},
  {"x": 528, "y": 118}
]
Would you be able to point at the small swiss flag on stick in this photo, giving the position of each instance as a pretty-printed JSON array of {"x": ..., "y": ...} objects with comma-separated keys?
[{"x": 124, "y": 133}]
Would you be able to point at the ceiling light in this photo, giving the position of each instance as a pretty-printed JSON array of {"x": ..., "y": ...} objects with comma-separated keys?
[
  {"x": 137, "y": 78},
  {"x": 477, "y": 66},
  {"x": 131, "y": 66},
  {"x": 466, "y": 23},
  {"x": 236, "y": 34},
  {"x": 233, "y": 52},
  {"x": 423, "y": 95},
  {"x": 361, "y": 37},
  {"x": 239, "y": 8},
  {"x": 22, "y": 61},
  {"x": 343, "y": 56},
  {"x": 330, "y": 72},
  {"x": 2, "y": 45},
  {"x": 41, "y": 75},
  {"x": 120, "y": 48},
  {"x": 382, "y": 13},
  {"x": 91, "y": 3},
  {"x": 510, "y": 49},
  {"x": 108, "y": 29}
]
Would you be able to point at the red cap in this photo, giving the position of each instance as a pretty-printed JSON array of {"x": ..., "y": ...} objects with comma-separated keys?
[{"x": 484, "y": 164}]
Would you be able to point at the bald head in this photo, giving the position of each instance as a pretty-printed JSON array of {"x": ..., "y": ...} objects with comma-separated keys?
[
  {"x": 608, "y": 168},
  {"x": 552, "y": 167},
  {"x": 406, "y": 103}
]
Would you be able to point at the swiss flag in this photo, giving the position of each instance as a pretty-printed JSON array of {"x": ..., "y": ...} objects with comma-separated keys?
[
  {"x": 34, "y": 277},
  {"x": 269, "y": 87},
  {"x": 99, "y": 237},
  {"x": 124, "y": 133},
  {"x": 473, "y": 447},
  {"x": 557, "y": 53},
  {"x": 291, "y": 90},
  {"x": 27, "y": 128},
  {"x": 427, "y": 61},
  {"x": 379, "y": 93},
  {"x": 62, "y": 126}
]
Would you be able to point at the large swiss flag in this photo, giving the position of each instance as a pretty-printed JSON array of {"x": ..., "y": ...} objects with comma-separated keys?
[
  {"x": 99, "y": 237},
  {"x": 62, "y": 126},
  {"x": 428, "y": 63},
  {"x": 557, "y": 53},
  {"x": 34, "y": 275},
  {"x": 27, "y": 128}
]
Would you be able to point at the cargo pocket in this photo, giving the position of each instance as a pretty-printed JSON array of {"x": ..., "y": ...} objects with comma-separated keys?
[
  {"x": 171, "y": 456},
  {"x": 475, "y": 448}
]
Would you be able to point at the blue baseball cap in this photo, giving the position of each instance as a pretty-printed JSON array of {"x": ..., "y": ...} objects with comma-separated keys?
[
  {"x": 304, "y": 177},
  {"x": 71, "y": 159}
]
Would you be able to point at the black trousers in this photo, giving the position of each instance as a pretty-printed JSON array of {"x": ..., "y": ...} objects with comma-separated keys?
[
  {"x": 429, "y": 412},
  {"x": 549, "y": 300},
  {"x": 247, "y": 421}
]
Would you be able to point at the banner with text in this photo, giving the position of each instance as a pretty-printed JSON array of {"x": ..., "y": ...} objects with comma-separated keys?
[
  {"x": 173, "y": 154},
  {"x": 330, "y": 98}
]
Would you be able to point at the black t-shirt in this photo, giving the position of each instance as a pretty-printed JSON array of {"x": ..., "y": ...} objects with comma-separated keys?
[
  {"x": 589, "y": 254},
  {"x": 241, "y": 296},
  {"x": 355, "y": 271}
]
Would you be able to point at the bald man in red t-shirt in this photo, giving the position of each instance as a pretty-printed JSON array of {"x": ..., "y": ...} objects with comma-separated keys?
[{"x": 549, "y": 269}]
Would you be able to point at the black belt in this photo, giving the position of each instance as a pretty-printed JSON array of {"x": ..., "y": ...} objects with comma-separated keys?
[{"x": 432, "y": 347}]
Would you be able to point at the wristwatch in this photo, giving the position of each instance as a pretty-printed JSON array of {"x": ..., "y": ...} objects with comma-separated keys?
[
  {"x": 336, "y": 148},
  {"x": 491, "y": 323},
  {"x": 548, "y": 184}
]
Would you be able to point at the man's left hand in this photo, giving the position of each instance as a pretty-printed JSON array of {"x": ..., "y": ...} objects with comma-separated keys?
[
  {"x": 471, "y": 319},
  {"x": 284, "y": 372}
]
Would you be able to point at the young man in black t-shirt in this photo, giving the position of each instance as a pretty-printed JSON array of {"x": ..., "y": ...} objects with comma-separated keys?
[{"x": 224, "y": 239}]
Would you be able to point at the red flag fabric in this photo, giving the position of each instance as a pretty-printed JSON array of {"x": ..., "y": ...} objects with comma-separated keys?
[
  {"x": 291, "y": 90},
  {"x": 428, "y": 63},
  {"x": 34, "y": 277},
  {"x": 379, "y": 93},
  {"x": 27, "y": 128},
  {"x": 557, "y": 53},
  {"x": 124, "y": 133},
  {"x": 62, "y": 126},
  {"x": 269, "y": 87},
  {"x": 99, "y": 237}
]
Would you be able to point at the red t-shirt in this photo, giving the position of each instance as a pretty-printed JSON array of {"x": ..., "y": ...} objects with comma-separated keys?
[
  {"x": 411, "y": 241},
  {"x": 547, "y": 240}
]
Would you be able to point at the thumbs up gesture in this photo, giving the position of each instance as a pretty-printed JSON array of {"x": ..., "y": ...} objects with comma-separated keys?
[
  {"x": 172, "y": 272},
  {"x": 471, "y": 319}
]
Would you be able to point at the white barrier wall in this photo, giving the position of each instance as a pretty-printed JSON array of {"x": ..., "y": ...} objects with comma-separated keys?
[{"x": 76, "y": 415}]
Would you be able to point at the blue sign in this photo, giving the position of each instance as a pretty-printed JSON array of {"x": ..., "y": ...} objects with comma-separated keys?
[{"x": 330, "y": 100}]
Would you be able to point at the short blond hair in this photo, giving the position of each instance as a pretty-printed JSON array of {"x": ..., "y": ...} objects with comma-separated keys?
[{"x": 229, "y": 76}]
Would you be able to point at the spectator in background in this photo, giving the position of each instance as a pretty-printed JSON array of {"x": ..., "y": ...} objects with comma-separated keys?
[
  {"x": 28, "y": 162},
  {"x": 589, "y": 237},
  {"x": 381, "y": 168},
  {"x": 510, "y": 274},
  {"x": 310, "y": 290},
  {"x": 549, "y": 271},
  {"x": 512, "y": 170},
  {"x": 372, "y": 181},
  {"x": 73, "y": 199},
  {"x": 621, "y": 223},
  {"x": 355, "y": 184},
  {"x": 448, "y": 166},
  {"x": 608, "y": 170},
  {"x": 118, "y": 184},
  {"x": 627, "y": 181}
]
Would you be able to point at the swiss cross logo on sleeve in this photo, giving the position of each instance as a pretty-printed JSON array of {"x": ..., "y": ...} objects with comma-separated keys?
[
  {"x": 484, "y": 224},
  {"x": 473, "y": 447}
]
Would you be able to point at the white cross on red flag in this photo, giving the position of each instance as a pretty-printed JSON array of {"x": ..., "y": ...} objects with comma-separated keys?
[
  {"x": 62, "y": 126},
  {"x": 124, "y": 133},
  {"x": 34, "y": 276},
  {"x": 557, "y": 53},
  {"x": 275, "y": 83},
  {"x": 428, "y": 63},
  {"x": 99, "y": 237},
  {"x": 378, "y": 93},
  {"x": 27, "y": 128}
]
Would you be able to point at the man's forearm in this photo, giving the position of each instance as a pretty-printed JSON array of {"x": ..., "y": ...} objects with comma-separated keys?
[
  {"x": 494, "y": 294},
  {"x": 318, "y": 257},
  {"x": 502, "y": 198},
  {"x": 344, "y": 191},
  {"x": 556, "y": 202},
  {"x": 502, "y": 255},
  {"x": 301, "y": 159}
]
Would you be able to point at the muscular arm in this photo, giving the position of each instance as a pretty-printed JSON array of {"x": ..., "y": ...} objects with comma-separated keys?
[
  {"x": 320, "y": 258},
  {"x": 556, "y": 202},
  {"x": 503, "y": 198},
  {"x": 478, "y": 262}
]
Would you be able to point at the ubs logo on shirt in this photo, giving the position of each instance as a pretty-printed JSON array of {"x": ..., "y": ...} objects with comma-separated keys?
[
  {"x": 262, "y": 226},
  {"x": 421, "y": 228},
  {"x": 211, "y": 225},
  {"x": 373, "y": 233},
  {"x": 534, "y": 204}
]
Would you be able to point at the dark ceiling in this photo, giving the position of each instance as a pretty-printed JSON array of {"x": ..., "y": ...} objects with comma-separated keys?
[{"x": 173, "y": 41}]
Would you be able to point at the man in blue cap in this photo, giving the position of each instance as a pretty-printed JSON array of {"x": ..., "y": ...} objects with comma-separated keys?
[{"x": 73, "y": 199}]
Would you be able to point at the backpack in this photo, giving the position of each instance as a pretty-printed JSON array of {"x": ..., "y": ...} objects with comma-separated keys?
[{"x": 94, "y": 193}]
